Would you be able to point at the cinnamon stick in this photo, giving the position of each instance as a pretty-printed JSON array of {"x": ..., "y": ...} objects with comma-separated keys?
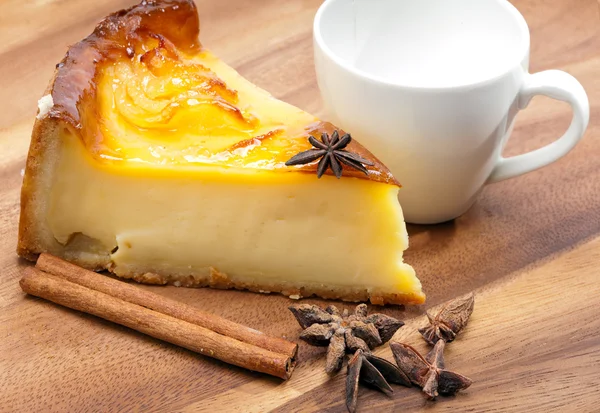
[
  {"x": 155, "y": 324},
  {"x": 135, "y": 295}
]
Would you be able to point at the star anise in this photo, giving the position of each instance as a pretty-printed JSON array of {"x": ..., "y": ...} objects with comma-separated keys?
[
  {"x": 448, "y": 322},
  {"x": 332, "y": 154},
  {"x": 374, "y": 371},
  {"x": 429, "y": 372},
  {"x": 343, "y": 332}
]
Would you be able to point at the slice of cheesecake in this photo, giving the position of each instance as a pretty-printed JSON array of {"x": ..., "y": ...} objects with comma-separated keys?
[{"x": 153, "y": 159}]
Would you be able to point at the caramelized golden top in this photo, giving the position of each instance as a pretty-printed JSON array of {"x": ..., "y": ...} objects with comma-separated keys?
[
  {"x": 162, "y": 106},
  {"x": 142, "y": 90}
]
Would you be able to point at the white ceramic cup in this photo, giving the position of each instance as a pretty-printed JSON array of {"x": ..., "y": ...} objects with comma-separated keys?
[{"x": 432, "y": 87}]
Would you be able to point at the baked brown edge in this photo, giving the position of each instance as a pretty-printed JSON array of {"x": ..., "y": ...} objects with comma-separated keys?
[{"x": 41, "y": 148}]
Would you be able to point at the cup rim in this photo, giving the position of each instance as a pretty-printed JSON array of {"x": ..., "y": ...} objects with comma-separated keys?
[{"x": 522, "y": 55}]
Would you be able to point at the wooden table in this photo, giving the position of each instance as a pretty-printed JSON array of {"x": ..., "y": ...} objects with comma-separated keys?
[{"x": 530, "y": 247}]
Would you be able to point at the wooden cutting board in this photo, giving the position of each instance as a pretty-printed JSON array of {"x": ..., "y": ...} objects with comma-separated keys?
[{"x": 530, "y": 247}]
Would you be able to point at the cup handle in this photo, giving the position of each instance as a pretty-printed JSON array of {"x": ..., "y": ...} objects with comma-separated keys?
[{"x": 557, "y": 85}]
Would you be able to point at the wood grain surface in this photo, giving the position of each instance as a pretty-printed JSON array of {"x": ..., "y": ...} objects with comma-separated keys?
[{"x": 530, "y": 247}]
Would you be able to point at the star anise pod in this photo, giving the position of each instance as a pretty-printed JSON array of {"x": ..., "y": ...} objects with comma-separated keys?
[
  {"x": 374, "y": 371},
  {"x": 429, "y": 372},
  {"x": 343, "y": 332},
  {"x": 332, "y": 154},
  {"x": 448, "y": 322}
]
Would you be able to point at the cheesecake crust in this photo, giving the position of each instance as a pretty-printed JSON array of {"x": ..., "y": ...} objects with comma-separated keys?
[{"x": 216, "y": 279}]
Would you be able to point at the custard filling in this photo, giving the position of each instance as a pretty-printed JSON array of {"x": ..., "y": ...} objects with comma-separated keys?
[{"x": 251, "y": 225}]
